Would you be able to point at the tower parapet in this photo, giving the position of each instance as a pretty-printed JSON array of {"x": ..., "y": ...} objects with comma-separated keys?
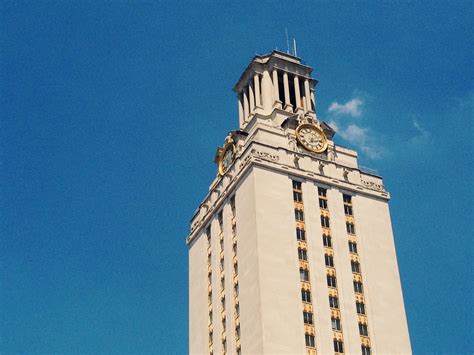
[{"x": 276, "y": 85}]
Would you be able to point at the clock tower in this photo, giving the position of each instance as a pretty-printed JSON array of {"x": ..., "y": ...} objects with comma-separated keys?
[{"x": 291, "y": 250}]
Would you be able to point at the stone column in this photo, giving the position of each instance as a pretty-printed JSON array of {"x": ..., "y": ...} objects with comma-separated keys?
[
  {"x": 276, "y": 92},
  {"x": 241, "y": 109},
  {"x": 267, "y": 92},
  {"x": 286, "y": 87},
  {"x": 307, "y": 93},
  {"x": 246, "y": 105},
  {"x": 297, "y": 94}
]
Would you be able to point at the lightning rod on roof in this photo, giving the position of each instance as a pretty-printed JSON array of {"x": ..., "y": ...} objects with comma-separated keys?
[
  {"x": 294, "y": 47},
  {"x": 287, "y": 41}
]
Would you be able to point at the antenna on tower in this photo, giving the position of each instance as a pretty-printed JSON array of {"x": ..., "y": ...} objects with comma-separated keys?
[
  {"x": 287, "y": 41},
  {"x": 294, "y": 47}
]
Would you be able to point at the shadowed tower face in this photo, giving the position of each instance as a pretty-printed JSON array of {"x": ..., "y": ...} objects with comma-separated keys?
[{"x": 291, "y": 250}]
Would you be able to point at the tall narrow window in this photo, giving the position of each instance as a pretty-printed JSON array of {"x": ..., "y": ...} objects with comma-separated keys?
[
  {"x": 331, "y": 280},
  {"x": 333, "y": 302},
  {"x": 308, "y": 317},
  {"x": 347, "y": 199},
  {"x": 363, "y": 329},
  {"x": 348, "y": 210},
  {"x": 325, "y": 221},
  {"x": 358, "y": 287},
  {"x": 336, "y": 323},
  {"x": 322, "y": 191},
  {"x": 365, "y": 350},
  {"x": 327, "y": 241},
  {"x": 306, "y": 296},
  {"x": 299, "y": 215},
  {"x": 291, "y": 86},
  {"x": 329, "y": 260},
  {"x": 350, "y": 228},
  {"x": 281, "y": 88},
  {"x": 338, "y": 346},
  {"x": 304, "y": 275},
  {"x": 296, "y": 185},
  {"x": 221, "y": 220},
  {"x": 355, "y": 265},
  {"x": 360, "y": 307},
  {"x": 232, "y": 205},
  {"x": 309, "y": 340},
  {"x": 323, "y": 203},
  {"x": 353, "y": 247},
  {"x": 297, "y": 196},
  {"x": 300, "y": 234},
  {"x": 302, "y": 254}
]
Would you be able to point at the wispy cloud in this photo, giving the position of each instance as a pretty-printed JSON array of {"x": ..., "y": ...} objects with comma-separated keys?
[
  {"x": 422, "y": 138},
  {"x": 351, "y": 132},
  {"x": 352, "y": 122},
  {"x": 351, "y": 108}
]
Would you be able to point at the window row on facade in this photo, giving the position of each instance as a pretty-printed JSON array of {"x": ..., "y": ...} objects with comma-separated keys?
[{"x": 308, "y": 317}]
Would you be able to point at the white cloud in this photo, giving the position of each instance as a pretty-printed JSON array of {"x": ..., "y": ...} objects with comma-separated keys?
[
  {"x": 361, "y": 138},
  {"x": 355, "y": 134},
  {"x": 352, "y": 108}
]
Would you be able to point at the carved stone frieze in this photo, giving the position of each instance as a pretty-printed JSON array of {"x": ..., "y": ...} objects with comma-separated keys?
[
  {"x": 264, "y": 155},
  {"x": 373, "y": 185}
]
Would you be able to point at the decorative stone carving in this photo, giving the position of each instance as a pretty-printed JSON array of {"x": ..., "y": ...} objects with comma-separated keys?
[
  {"x": 292, "y": 142},
  {"x": 373, "y": 185},
  {"x": 264, "y": 155},
  {"x": 331, "y": 155}
]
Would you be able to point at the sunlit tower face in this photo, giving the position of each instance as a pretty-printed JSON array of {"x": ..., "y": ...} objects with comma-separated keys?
[{"x": 291, "y": 251}]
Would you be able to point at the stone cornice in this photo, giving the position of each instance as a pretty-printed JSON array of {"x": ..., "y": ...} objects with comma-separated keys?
[{"x": 266, "y": 156}]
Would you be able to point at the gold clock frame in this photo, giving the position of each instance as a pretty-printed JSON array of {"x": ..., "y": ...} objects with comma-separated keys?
[
  {"x": 314, "y": 127},
  {"x": 220, "y": 166}
]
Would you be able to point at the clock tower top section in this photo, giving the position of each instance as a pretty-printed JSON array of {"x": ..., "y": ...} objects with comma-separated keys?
[{"x": 275, "y": 87}]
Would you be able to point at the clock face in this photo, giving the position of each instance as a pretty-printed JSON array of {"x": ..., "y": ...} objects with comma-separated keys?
[
  {"x": 312, "y": 138},
  {"x": 227, "y": 158}
]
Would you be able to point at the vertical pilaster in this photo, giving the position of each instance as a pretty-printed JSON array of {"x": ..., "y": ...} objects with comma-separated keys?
[
  {"x": 267, "y": 91},
  {"x": 241, "y": 110},
  {"x": 276, "y": 93},
  {"x": 307, "y": 95},
  {"x": 286, "y": 88},
  {"x": 297, "y": 94},
  {"x": 246, "y": 105}
]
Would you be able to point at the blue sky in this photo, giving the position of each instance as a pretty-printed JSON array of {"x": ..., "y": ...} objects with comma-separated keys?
[{"x": 110, "y": 115}]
